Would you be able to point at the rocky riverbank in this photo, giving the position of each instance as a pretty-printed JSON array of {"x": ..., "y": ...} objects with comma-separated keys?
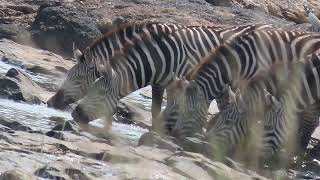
[{"x": 36, "y": 38}]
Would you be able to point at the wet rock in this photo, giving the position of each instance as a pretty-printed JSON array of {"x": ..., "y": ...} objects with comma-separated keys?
[
  {"x": 56, "y": 134},
  {"x": 50, "y": 173},
  {"x": 152, "y": 139},
  {"x": 18, "y": 85},
  {"x": 16, "y": 174},
  {"x": 123, "y": 114},
  {"x": 5, "y": 129},
  {"x": 131, "y": 112},
  {"x": 14, "y": 125},
  {"x": 70, "y": 125},
  {"x": 56, "y": 28}
]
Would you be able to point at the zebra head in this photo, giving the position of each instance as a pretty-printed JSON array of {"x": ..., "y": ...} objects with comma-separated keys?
[
  {"x": 228, "y": 127},
  {"x": 192, "y": 109},
  {"x": 78, "y": 79},
  {"x": 101, "y": 98}
]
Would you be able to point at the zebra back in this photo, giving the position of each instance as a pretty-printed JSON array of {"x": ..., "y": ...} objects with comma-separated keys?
[{"x": 246, "y": 56}]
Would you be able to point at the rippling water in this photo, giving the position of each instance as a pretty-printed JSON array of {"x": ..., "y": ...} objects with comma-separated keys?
[{"x": 39, "y": 117}]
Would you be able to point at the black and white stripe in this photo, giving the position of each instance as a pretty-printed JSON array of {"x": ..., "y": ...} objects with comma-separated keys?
[
  {"x": 155, "y": 57},
  {"x": 250, "y": 55}
]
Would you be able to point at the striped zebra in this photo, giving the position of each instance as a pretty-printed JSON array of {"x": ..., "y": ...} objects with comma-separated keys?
[
  {"x": 248, "y": 56},
  {"x": 151, "y": 60},
  {"x": 85, "y": 72},
  {"x": 231, "y": 125}
]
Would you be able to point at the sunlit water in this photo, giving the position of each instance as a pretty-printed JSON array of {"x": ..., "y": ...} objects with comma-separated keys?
[{"x": 39, "y": 117}]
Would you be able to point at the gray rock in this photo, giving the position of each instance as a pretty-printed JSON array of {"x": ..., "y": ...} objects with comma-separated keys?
[
  {"x": 56, "y": 28},
  {"x": 16, "y": 174},
  {"x": 67, "y": 126},
  {"x": 226, "y": 3},
  {"x": 14, "y": 125},
  {"x": 13, "y": 32},
  {"x": 152, "y": 139},
  {"x": 18, "y": 85}
]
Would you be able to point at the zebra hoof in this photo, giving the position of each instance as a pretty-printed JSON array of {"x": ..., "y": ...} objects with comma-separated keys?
[{"x": 80, "y": 116}]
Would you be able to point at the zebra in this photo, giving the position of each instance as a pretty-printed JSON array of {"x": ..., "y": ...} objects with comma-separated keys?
[
  {"x": 230, "y": 125},
  {"x": 249, "y": 56},
  {"x": 83, "y": 74},
  {"x": 152, "y": 61}
]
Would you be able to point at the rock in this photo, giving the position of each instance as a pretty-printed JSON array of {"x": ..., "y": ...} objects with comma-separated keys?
[
  {"x": 16, "y": 174},
  {"x": 57, "y": 28},
  {"x": 71, "y": 126},
  {"x": 196, "y": 166},
  {"x": 14, "y": 125},
  {"x": 23, "y": 8},
  {"x": 193, "y": 144},
  {"x": 18, "y": 85},
  {"x": 226, "y": 3},
  {"x": 131, "y": 112},
  {"x": 123, "y": 114},
  {"x": 28, "y": 57},
  {"x": 152, "y": 139},
  {"x": 59, "y": 170},
  {"x": 81, "y": 157},
  {"x": 13, "y": 32}
]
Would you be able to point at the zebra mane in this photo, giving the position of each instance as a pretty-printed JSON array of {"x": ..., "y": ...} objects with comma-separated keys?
[{"x": 153, "y": 28}]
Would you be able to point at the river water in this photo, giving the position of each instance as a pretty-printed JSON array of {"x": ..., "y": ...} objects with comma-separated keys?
[{"x": 39, "y": 117}]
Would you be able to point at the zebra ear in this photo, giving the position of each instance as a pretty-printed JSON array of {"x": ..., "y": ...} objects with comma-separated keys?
[
  {"x": 270, "y": 100},
  {"x": 174, "y": 77},
  {"x": 231, "y": 96},
  {"x": 76, "y": 52}
]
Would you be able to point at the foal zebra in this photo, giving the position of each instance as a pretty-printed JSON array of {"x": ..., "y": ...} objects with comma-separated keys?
[
  {"x": 151, "y": 60},
  {"x": 231, "y": 127},
  {"x": 245, "y": 57}
]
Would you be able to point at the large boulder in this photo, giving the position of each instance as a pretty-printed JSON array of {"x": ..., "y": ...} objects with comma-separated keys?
[
  {"x": 18, "y": 85},
  {"x": 56, "y": 28}
]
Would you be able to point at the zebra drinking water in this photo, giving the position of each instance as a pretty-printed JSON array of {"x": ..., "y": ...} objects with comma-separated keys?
[{"x": 152, "y": 60}]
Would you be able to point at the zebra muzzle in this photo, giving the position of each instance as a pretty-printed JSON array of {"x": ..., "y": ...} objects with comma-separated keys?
[{"x": 79, "y": 115}]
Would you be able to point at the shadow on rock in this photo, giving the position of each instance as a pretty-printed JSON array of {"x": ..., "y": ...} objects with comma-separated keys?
[
  {"x": 18, "y": 86},
  {"x": 56, "y": 28}
]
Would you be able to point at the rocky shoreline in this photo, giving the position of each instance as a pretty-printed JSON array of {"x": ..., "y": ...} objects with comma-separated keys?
[{"x": 34, "y": 32}]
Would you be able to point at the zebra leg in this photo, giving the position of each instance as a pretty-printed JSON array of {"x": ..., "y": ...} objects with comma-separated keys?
[{"x": 157, "y": 95}]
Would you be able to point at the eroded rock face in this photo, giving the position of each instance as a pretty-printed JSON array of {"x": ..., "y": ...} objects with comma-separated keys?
[
  {"x": 18, "y": 85},
  {"x": 56, "y": 28}
]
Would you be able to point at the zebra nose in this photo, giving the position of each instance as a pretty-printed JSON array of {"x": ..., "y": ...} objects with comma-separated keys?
[{"x": 79, "y": 115}]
